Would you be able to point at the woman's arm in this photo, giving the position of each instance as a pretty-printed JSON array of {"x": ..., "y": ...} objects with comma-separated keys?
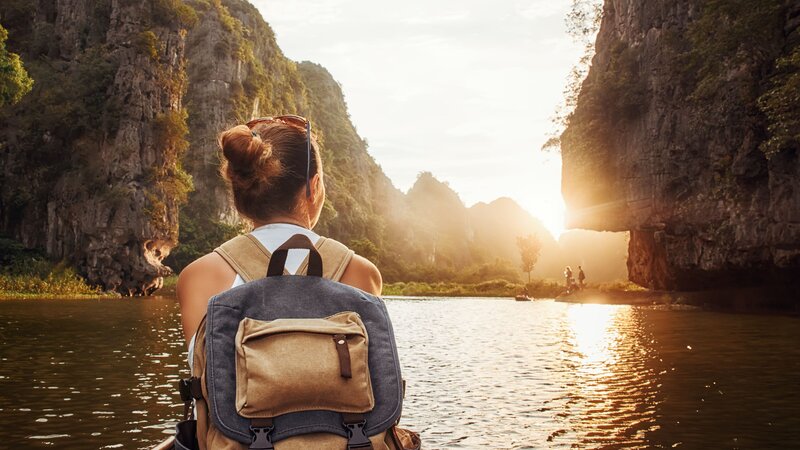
[{"x": 197, "y": 283}]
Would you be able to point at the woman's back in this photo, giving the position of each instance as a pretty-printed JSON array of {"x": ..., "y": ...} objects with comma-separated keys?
[
  {"x": 274, "y": 171},
  {"x": 212, "y": 274}
]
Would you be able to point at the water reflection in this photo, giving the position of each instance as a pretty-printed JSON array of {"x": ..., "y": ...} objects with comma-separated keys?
[
  {"x": 481, "y": 374},
  {"x": 593, "y": 334},
  {"x": 613, "y": 393}
]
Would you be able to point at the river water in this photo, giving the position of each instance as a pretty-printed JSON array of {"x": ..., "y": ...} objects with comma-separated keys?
[{"x": 481, "y": 373}]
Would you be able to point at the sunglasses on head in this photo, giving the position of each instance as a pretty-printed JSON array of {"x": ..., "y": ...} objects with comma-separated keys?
[{"x": 297, "y": 121}]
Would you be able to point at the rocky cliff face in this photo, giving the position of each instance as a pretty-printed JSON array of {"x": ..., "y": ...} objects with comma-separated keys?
[
  {"x": 90, "y": 166},
  {"x": 236, "y": 72},
  {"x": 683, "y": 135}
]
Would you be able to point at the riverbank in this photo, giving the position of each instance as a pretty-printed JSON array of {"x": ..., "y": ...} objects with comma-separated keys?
[
  {"x": 26, "y": 273},
  {"x": 493, "y": 288}
]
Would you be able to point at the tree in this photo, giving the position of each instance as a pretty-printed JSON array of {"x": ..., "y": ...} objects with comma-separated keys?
[
  {"x": 14, "y": 80},
  {"x": 529, "y": 248}
]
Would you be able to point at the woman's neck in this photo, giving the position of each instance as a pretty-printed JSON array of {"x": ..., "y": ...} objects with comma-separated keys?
[{"x": 283, "y": 220}]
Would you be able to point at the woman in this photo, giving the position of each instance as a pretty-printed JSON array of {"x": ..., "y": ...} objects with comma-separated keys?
[{"x": 274, "y": 171}]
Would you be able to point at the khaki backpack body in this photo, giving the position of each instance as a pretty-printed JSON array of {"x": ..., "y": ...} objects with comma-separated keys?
[{"x": 291, "y": 362}]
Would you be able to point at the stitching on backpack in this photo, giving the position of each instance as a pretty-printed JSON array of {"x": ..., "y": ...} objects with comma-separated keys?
[{"x": 212, "y": 393}]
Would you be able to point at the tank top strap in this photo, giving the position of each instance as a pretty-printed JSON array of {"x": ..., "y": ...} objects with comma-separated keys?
[{"x": 249, "y": 258}]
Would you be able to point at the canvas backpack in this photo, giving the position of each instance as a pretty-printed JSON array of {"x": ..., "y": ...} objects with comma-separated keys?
[{"x": 293, "y": 362}]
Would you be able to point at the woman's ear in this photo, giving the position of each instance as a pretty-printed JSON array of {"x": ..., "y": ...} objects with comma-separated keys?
[
  {"x": 316, "y": 201},
  {"x": 317, "y": 188}
]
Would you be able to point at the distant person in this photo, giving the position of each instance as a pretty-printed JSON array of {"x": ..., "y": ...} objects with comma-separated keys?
[
  {"x": 568, "y": 281},
  {"x": 581, "y": 278}
]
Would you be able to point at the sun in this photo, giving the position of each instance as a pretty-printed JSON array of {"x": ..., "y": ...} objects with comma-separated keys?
[
  {"x": 553, "y": 218},
  {"x": 542, "y": 187},
  {"x": 551, "y": 212}
]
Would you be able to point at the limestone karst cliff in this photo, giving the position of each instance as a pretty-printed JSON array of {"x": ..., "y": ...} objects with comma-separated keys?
[
  {"x": 90, "y": 158},
  {"x": 686, "y": 133},
  {"x": 236, "y": 71}
]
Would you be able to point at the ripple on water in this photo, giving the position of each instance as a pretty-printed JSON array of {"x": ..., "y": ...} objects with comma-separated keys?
[{"x": 481, "y": 374}]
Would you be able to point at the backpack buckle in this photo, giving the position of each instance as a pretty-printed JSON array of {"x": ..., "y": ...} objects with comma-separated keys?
[
  {"x": 190, "y": 388},
  {"x": 185, "y": 390},
  {"x": 261, "y": 437},
  {"x": 356, "y": 438}
]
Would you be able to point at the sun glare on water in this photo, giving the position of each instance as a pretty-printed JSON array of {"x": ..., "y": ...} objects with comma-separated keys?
[{"x": 593, "y": 330}]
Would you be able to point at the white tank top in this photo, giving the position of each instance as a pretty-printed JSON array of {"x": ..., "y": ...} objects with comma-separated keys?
[{"x": 271, "y": 236}]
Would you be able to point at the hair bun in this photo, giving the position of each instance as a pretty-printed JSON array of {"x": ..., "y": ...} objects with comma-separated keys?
[{"x": 248, "y": 156}]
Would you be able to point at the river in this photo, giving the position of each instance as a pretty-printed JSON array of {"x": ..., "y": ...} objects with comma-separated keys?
[{"x": 481, "y": 373}]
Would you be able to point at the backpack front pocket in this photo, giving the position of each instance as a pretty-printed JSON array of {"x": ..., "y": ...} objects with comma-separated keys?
[{"x": 291, "y": 365}]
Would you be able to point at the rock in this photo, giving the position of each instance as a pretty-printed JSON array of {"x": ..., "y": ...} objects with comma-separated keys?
[
  {"x": 87, "y": 140},
  {"x": 646, "y": 152}
]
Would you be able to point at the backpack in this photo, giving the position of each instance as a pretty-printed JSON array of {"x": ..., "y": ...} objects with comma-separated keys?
[{"x": 293, "y": 362}]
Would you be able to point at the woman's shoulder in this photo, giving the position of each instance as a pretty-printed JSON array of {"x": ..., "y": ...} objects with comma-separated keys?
[
  {"x": 363, "y": 274},
  {"x": 207, "y": 273}
]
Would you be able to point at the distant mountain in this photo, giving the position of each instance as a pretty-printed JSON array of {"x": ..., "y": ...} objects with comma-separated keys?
[{"x": 497, "y": 224}]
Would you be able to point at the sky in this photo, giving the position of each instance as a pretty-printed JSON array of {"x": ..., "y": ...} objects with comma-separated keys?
[{"x": 464, "y": 89}]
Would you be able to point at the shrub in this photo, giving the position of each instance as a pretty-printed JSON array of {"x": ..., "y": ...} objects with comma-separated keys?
[
  {"x": 14, "y": 80},
  {"x": 780, "y": 105},
  {"x": 28, "y": 273},
  {"x": 147, "y": 43},
  {"x": 174, "y": 11}
]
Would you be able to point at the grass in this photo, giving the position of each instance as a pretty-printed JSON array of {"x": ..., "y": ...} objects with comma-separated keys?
[
  {"x": 493, "y": 288},
  {"x": 620, "y": 286},
  {"x": 26, "y": 273},
  {"x": 60, "y": 282}
]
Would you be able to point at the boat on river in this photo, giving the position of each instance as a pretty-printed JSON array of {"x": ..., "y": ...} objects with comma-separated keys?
[
  {"x": 522, "y": 298},
  {"x": 166, "y": 444}
]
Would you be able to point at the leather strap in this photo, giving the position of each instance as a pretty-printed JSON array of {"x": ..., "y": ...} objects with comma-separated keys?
[
  {"x": 343, "y": 350},
  {"x": 300, "y": 242},
  {"x": 246, "y": 255},
  {"x": 190, "y": 390}
]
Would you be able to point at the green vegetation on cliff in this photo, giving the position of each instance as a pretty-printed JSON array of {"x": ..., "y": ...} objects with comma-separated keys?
[
  {"x": 14, "y": 80},
  {"x": 780, "y": 104},
  {"x": 732, "y": 35}
]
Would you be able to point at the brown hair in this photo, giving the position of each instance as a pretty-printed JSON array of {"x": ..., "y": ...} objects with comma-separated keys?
[{"x": 266, "y": 167}]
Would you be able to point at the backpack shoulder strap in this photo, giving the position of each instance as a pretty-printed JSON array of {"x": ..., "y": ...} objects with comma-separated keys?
[
  {"x": 335, "y": 257},
  {"x": 249, "y": 258},
  {"x": 246, "y": 255}
]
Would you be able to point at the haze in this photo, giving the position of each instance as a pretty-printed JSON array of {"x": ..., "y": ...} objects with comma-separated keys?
[{"x": 464, "y": 89}]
